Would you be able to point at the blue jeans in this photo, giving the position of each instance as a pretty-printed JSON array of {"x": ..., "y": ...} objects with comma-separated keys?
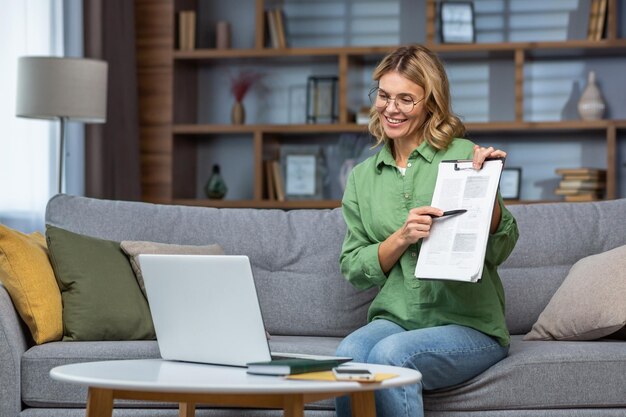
[{"x": 445, "y": 355}]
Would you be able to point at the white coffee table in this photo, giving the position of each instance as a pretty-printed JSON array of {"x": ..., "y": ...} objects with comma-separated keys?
[{"x": 189, "y": 384}]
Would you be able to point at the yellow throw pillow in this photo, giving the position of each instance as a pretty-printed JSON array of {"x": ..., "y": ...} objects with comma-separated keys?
[{"x": 26, "y": 273}]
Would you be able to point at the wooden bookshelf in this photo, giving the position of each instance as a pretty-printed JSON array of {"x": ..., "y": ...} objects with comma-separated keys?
[
  {"x": 266, "y": 204},
  {"x": 168, "y": 82}
]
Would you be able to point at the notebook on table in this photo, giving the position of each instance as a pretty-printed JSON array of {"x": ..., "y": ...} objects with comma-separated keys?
[{"x": 205, "y": 309}]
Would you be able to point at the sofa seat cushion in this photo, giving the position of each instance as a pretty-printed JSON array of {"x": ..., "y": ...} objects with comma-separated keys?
[
  {"x": 310, "y": 345},
  {"x": 313, "y": 345},
  {"x": 543, "y": 375},
  {"x": 39, "y": 390}
]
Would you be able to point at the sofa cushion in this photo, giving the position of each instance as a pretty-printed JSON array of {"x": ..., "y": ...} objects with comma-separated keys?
[
  {"x": 101, "y": 298},
  {"x": 40, "y": 390},
  {"x": 591, "y": 302},
  {"x": 543, "y": 375},
  {"x": 26, "y": 273},
  {"x": 134, "y": 248}
]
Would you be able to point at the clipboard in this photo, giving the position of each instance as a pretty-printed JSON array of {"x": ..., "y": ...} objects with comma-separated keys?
[{"x": 456, "y": 246}]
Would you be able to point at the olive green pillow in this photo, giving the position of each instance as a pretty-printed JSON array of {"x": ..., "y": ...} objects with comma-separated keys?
[{"x": 101, "y": 298}]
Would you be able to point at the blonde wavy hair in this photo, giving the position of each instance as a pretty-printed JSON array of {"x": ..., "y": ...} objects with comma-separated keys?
[{"x": 420, "y": 65}]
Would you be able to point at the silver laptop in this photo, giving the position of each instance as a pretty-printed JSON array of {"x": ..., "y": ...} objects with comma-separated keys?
[{"x": 205, "y": 309}]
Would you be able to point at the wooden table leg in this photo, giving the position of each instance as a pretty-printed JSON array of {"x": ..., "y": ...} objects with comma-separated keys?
[
  {"x": 293, "y": 405},
  {"x": 363, "y": 404},
  {"x": 186, "y": 410},
  {"x": 99, "y": 402}
]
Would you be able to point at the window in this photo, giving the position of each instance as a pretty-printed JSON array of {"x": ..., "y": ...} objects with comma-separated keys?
[{"x": 27, "y": 147}]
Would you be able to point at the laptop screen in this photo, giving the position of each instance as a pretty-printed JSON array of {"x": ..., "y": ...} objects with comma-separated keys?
[{"x": 205, "y": 308}]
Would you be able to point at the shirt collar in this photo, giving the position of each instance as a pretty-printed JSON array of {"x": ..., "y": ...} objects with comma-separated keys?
[{"x": 385, "y": 156}]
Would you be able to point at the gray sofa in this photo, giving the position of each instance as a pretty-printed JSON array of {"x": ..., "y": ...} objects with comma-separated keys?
[{"x": 308, "y": 307}]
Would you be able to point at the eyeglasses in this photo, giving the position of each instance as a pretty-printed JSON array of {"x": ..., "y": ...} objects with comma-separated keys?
[{"x": 403, "y": 102}]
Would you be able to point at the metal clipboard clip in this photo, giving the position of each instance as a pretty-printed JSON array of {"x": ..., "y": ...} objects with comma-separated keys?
[{"x": 463, "y": 164}]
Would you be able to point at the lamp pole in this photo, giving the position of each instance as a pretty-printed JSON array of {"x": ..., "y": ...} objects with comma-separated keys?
[{"x": 62, "y": 121}]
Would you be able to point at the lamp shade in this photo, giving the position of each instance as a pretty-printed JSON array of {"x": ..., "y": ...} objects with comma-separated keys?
[{"x": 53, "y": 87}]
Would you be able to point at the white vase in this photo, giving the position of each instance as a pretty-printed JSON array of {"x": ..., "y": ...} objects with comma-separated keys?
[{"x": 591, "y": 104}]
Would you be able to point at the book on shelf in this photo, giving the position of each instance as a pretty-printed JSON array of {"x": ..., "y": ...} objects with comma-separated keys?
[
  {"x": 272, "y": 29},
  {"x": 580, "y": 171},
  {"x": 567, "y": 191},
  {"x": 600, "y": 21},
  {"x": 292, "y": 366},
  {"x": 268, "y": 171},
  {"x": 582, "y": 197},
  {"x": 279, "y": 183},
  {"x": 186, "y": 30},
  {"x": 597, "y": 18},
  {"x": 601, "y": 176},
  {"x": 582, "y": 184},
  {"x": 279, "y": 16},
  {"x": 591, "y": 24},
  {"x": 578, "y": 192}
]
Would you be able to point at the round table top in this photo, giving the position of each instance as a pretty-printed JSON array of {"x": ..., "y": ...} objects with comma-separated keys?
[{"x": 170, "y": 376}]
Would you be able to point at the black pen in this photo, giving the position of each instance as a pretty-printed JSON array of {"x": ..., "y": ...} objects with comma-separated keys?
[{"x": 449, "y": 213}]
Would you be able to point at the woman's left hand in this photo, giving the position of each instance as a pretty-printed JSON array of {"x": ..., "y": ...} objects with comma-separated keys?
[{"x": 480, "y": 154}]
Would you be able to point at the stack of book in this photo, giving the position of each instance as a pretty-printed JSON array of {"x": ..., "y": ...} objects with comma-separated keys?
[
  {"x": 581, "y": 184},
  {"x": 276, "y": 28},
  {"x": 186, "y": 30}
]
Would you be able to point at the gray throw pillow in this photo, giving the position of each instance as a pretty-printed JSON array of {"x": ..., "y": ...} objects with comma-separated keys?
[
  {"x": 590, "y": 303},
  {"x": 133, "y": 248}
]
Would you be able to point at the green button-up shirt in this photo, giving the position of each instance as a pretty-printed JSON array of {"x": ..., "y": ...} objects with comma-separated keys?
[{"x": 375, "y": 204}]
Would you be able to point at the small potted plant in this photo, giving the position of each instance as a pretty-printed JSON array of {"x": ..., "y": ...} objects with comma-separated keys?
[{"x": 240, "y": 84}]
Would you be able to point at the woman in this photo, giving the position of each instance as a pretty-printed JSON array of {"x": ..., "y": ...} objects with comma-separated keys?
[{"x": 449, "y": 331}]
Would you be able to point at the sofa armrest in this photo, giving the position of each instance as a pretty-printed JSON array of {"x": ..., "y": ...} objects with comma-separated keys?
[{"x": 13, "y": 343}]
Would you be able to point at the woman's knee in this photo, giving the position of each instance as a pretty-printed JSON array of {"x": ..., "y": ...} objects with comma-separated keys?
[
  {"x": 352, "y": 348},
  {"x": 386, "y": 352},
  {"x": 358, "y": 344}
]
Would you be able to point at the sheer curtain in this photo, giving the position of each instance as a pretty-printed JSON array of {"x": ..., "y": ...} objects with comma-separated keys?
[{"x": 28, "y": 147}]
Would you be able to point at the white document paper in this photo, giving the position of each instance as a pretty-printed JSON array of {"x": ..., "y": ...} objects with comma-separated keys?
[{"x": 456, "y": 246}]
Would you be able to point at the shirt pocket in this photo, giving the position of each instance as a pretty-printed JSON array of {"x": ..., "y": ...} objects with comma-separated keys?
[
  {"x": 425, "y": 292},
  {"x": 423, "y": 199}
]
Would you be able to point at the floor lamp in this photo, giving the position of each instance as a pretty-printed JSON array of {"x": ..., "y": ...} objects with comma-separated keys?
[{"x": 67, "y": 89}]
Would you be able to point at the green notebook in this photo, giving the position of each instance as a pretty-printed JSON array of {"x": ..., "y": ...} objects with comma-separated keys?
[{"x": 293, "y": 366}]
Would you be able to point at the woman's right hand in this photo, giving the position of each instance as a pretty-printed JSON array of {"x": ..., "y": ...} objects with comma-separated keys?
[
  {"x": 416, "y": 227},
  {"x": 418, "y": 223}
]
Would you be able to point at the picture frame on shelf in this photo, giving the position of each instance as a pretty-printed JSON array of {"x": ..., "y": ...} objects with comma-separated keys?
[
  {"x": 322, "y": 104},
  {"x": 302, "y": 169},
  {"x": 510, "y": 183},
  {"x": 456, "y": 22}
]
